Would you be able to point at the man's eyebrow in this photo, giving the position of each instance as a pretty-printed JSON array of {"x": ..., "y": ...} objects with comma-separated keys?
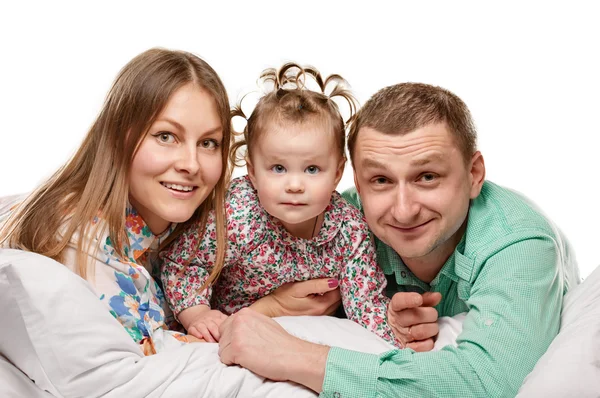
[
  {"x": 426, "y": 160},
  {"x": 372, "y": 163}
]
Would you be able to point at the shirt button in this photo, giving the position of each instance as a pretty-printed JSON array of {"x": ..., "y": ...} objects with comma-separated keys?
[
  {"x": 337, "y": 395},
  {"x": 403, "y": 274},
  {"x": 489, "y": 322}
]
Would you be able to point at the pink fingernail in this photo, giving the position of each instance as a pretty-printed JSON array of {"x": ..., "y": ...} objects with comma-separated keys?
[{"x": 332, "y": 283}]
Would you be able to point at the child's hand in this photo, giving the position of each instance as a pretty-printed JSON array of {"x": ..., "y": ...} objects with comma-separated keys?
[{"x": 206, "y": 325}]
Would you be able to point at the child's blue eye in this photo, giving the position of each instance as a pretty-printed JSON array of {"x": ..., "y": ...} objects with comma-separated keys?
[
  {"x": 279, "y": 169},
  {"x": 312, "y": 169}
]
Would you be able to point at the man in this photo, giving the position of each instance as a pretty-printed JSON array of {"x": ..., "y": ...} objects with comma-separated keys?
[{"x": 442, "y": 230}]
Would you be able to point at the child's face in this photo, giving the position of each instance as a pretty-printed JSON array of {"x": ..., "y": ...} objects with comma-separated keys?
[{"x": 295, "y": 169}]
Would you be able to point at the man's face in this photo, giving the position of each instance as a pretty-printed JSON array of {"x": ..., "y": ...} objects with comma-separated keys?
[{"x": 415, "y": 190}]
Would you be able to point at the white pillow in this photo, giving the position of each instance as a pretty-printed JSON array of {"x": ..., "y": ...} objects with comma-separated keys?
[
  {"x": 571, "y": 365},
  {"x": 54, "y": 328},
  {"x": 16, "y": 384}
]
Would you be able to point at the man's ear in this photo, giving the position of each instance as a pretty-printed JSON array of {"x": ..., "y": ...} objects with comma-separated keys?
[
  {"x": 356, "y": 185},
  {"x": 477, "y": 174}
]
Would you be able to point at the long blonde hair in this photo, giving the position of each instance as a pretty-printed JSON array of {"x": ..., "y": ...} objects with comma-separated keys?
[{"x": 95, "y": 180}]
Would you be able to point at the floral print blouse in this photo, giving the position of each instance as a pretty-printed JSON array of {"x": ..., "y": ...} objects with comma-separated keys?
[{"x": 261, "y": 256}]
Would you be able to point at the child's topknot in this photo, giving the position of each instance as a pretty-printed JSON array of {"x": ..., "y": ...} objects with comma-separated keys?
[{"x": 289, "y": 99}]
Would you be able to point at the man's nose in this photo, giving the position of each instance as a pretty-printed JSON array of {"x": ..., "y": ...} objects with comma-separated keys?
[{"x": 406, "y": 207}]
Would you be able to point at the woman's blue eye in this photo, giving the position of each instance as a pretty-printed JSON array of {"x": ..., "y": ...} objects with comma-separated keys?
[
  {"x": 279, "y": 169},
  {"x": 166, "y": 138},
  {"x": 312, "y": 170},
  {"x": 209, "y": 144}
]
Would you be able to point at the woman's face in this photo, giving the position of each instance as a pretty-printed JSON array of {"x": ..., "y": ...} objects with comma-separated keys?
[{"x": 179, "y": 160}]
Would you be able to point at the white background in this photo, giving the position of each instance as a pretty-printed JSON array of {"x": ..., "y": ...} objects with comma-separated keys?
[{"x": 528, "y": 71}]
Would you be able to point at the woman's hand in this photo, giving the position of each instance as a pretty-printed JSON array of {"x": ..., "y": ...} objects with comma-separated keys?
[{"x": 312, "y": 297}]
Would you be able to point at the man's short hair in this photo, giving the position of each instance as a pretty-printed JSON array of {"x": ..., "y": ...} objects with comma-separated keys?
[{"x": 405, "y": 107}]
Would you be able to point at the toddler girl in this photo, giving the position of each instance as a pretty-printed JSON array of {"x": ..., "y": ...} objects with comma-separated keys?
[{"x": 285, "y": 221}]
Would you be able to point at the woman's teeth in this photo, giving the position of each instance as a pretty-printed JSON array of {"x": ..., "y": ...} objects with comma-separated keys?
[{"x": 185, "y": 188}]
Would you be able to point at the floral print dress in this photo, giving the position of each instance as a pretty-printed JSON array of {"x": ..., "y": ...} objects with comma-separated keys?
[{"x": 261, "y": 256}]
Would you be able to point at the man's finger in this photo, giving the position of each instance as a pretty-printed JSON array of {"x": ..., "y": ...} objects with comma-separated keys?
[
  {"x": 431, "y": 299},
  {"x": 424, "y": 331},
  {"x": 415, "y": 316},
  {"x": 225, "y": 331},
  {"x": 422, "y": 345},
  {"x": 401, "y": 301}
]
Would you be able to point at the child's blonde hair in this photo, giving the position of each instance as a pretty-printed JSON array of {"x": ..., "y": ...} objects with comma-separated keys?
[{"x": 291, "y": 101}]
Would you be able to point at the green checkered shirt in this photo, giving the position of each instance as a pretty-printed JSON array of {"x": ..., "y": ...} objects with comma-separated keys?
[{"x": 509, "y": 272}]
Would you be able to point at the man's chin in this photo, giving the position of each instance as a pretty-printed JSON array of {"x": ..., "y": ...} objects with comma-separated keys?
[{"x": 411, "y": 249}]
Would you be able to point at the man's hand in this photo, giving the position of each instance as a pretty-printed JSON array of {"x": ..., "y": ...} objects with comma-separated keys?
[
  {"x": 258, "y": 343},
  {"x": 414, "y": 320},
  {"x": 202, "y": 322},
  {"x": 312, "y": 297}
]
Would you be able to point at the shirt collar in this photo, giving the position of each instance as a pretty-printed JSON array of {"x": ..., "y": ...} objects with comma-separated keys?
[
  {"x": 404, "y": 275},
  {"x": 140, "y": 238}
]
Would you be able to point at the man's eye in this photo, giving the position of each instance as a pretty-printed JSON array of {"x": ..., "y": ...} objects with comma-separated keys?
[
  {"x": 428, "y": 177},
  {"x": 312, "y": 169},
  {"x": 279, "y": 169},
  {"x": 380, "y": 180}
]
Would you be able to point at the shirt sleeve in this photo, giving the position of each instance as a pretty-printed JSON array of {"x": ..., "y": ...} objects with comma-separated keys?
[
  {"x": 363, "y": 285},
  {"x": 514, "y": 313},
  {"x": 186, "y": 265},
  {"x": 351, "y": 196}
]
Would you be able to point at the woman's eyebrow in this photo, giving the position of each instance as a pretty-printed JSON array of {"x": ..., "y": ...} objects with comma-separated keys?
[{"x": 179, "y": 126}]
